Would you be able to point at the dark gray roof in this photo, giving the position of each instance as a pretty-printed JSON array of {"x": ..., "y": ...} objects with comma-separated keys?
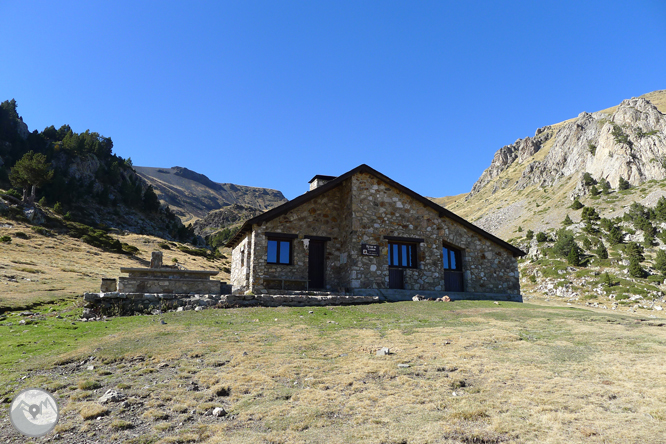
[
  {"x": 300, "y": 200},
  {"x": 320, "y": 176}
]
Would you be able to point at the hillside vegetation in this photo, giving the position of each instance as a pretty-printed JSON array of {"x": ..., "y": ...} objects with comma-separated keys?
[{"x": 87, "y": 182}]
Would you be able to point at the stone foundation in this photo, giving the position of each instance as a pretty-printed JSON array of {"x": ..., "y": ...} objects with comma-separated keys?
[
  {"x": 116, "y": 304},
  {"x": 407, "y": 295}
]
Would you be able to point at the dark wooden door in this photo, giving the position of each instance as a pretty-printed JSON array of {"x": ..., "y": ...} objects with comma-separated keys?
[
  {"x": 316, "y": 264},
  {"x": 453, "y": 281},
  {"x": 396, "y": 278}
]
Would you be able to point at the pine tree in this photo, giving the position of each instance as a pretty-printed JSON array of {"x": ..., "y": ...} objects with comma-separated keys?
[
  {"x": 594, "y": 191},
  {"x": 30, "y": 171},
  {"x": 541, "y": 237},
  {"x": 564, "y": 243},
  {"x": 635, "y": 268},
  {"x": 648, "y": 237},
  {"x": 607, "y": 280},
  {"x": 574, "y": 256},
  {"x": 151, "y": 203},
  {"x": 576, "y": 205},
  {"x": 588, "y": 180},
  {"x": 567, "y": 221},
  {"x": 605, "y": 186},
  {"x": 520, "y": 229},
  {"x": 601, "y": 251},
  {"x": 587, "y": 244},
  {"x": 615, "y": 235},
  {"x": 623, "y": 184},
  {"x": 529, "y": 235},
  {"x": 590, "y": 214},
  {"x": 660, "y": 261},
  {"x": 660, "y": 209},
  {"x": 634, "y": 251}
]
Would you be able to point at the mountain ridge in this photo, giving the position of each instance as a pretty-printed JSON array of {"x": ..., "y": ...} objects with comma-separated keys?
[
  {"x": 192, "y": 195},
  {"x": 628, "y": 140}
]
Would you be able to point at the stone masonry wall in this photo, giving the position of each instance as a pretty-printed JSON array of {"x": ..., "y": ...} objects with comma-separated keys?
[
  {"x": 319, "y": 217},
  {"x": 364, "y": 209},
  {"x": 381, "y": 210},
  {"x": 240, "y": 277}
]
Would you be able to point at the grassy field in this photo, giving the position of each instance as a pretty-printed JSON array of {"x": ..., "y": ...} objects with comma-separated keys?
[{"x": 462, "y": 372}]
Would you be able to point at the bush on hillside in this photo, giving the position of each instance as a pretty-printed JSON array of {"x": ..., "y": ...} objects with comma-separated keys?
[{"x": 623, "y": 184}]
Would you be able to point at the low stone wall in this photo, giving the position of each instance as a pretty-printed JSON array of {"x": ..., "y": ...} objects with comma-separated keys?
[
  {"x": 390, "y": 295},
  {"x": 116, "y": 304}
]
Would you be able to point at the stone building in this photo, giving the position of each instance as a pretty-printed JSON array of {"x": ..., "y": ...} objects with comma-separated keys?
[{"x": 363, "y": 233}]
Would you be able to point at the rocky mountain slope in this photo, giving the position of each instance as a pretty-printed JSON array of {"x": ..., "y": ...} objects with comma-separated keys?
[
  {"x": 88, "y": 183},
  {"x": 587, "y": 199},
  {"x": 530, "y": 182},
  {"x": 191, "y": 195},
  {"x": 229, "y": 216}
]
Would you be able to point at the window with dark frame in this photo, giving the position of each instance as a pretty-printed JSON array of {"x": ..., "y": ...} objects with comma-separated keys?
[
  {"x": 452, "y": 260},
  {"x": 279, "y": 251},
  {"x": 402, "y": 255}
]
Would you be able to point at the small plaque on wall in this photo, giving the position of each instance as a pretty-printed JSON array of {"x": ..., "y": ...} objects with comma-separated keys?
[{"x": 369, "y": 250}]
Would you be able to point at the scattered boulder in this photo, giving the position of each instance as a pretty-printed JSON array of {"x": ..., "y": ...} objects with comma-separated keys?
[
  {"x": 112, "y": 396},
  {"x": 87, "y": 314},
  {"x": 219, "y": 412},
  {"x": 383, "y": 351},
  {"x": 403, "y": 365},
  {"x": 34, "y": 215}
]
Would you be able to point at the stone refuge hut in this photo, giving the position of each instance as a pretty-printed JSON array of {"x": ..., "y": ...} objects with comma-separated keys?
[{"x": 362, "y": 233}]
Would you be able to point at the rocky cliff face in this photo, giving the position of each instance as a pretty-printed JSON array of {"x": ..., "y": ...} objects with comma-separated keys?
[
  {"x": 531, "y": 183},
  {"x": 629, "y": 143},
  {"x": 520, "y": 151}
]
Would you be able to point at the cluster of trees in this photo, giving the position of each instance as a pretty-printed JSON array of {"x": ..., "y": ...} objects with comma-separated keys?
[
  {"x": 39, "y": 162},
  {"x": 605, "y": 231},
  {"x": 221, "y": 237}
]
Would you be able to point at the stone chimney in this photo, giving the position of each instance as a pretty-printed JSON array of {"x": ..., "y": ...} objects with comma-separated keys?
[{"x": 319, "y": 180}]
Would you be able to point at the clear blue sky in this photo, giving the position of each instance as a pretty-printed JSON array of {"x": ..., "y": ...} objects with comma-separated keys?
[{"x": 270, "y": 93}]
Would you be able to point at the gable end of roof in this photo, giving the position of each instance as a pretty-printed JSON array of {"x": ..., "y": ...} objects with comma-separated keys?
[{"x": 296, "y": 202}]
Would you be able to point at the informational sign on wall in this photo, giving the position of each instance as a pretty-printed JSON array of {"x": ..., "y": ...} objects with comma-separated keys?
[{"x": 369, "y": 250}]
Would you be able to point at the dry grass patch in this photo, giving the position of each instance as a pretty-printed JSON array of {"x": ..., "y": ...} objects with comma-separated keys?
[
  {"x": 119, "y": 424},
  {"x": 477, "y": 371},
  {"x": 180, "y": 439},
  {"x": 92, "y": 410},
  {"x": 64, "y": 267},
  {"x": 155, "y": 415},
  {"x": 88, "y": 384}
]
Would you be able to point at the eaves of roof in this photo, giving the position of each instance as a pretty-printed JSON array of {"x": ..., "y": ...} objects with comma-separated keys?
[{"x": 300, "y": 200}]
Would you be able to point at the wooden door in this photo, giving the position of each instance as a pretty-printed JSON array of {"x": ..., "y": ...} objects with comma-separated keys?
[
  {"x": 453, "y": 270},
  {"x": 396, "y": 279},
  {"x": 453, "y": 281},
  {"x": 316, "y": 264}
]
